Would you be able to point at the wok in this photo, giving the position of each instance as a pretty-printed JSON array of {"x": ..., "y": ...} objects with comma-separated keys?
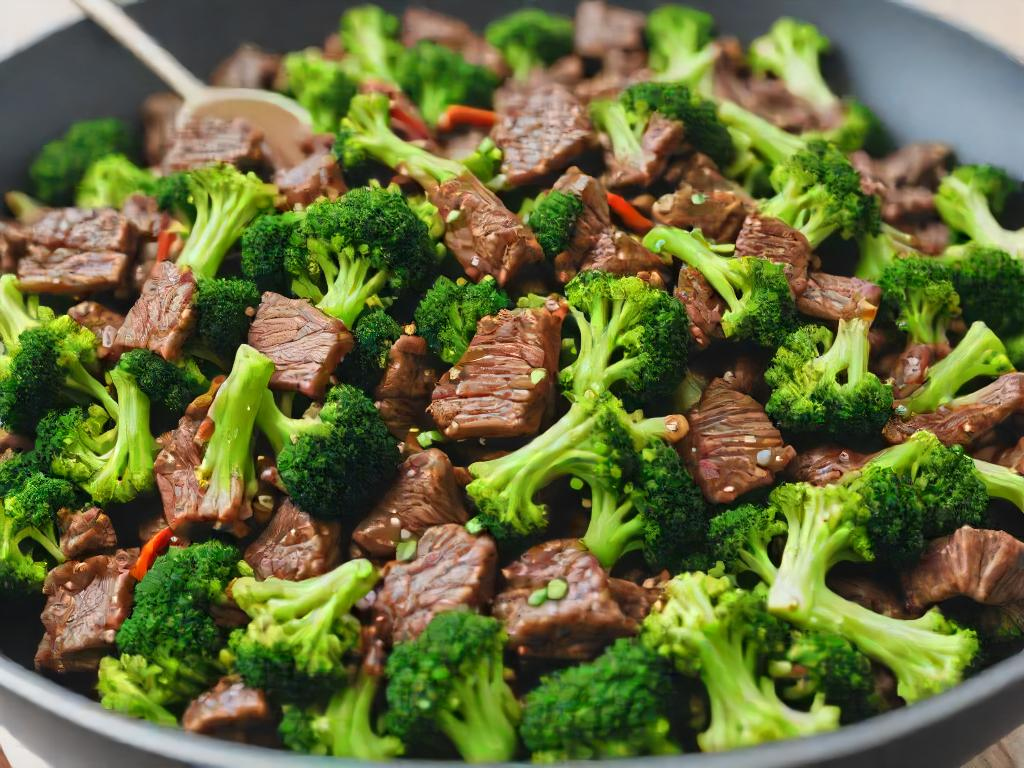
[{"x": 926, "y": 80}]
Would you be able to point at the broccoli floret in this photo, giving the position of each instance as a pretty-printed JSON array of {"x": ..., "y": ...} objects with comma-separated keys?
[
  {"x": 530, "y": 39},
  {"x": 1001, "y": 482},
  {"x": 969, "y": 199},
  {"x": 618, "y": 705},
  {"x": 369, "y": 35},
  {"x": 375, "y": 333},
  {"x": 879, "y": 249},
  {"x": 765, "y": 140},
  {"x": 174, "y": 196},
  {"x": 790, "y": 51},
  {"x": 553, "y": 221},
  {"x": 450, "y": 681},
  {"x": 679, "y": 38},
  {"x": 29, "y": 539},
  {"x": 171, "y": 386},
  {"x": 226, "y": 201},
  {"x": 224, "y": 308},
  {"x": 61, "y": 164},
  {"x": 321, "y": 86},
  {"x": 760, "y": 304},
  {"x": 110, "y": 180},
  {"x": 431, "y": 217},
  {"x": 709, "y": 627},
  {"x": 436, "y": 76},
  {"x": 271, "y": 246},
  {"x": 335, "y": 463},
  {"x": 300, "y": 631},
  {"x": 990, "y": 283},
  {"x": 484, "y": 162},
  {"x": 919, "y": 296},
  {"x": 18, "y": 311},
  {"x": 979, "y": 353},
  {"x": 139, "y": 688},
  {"x": 447, "y": 315},
  {"x": 741, "y": 538}
]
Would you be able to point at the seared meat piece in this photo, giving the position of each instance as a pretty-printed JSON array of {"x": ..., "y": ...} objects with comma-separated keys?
[
  {"x": 931, "y": 237},
  {"x": 541, "y": 134},
  {"x": 295, "y": 546},
  {"x": 825, "y": 464},
  {"x": 232, "y": 711},
  {"x": 86, "y": 533},
  {"x": 404, "y": 392},
  {"x": 964, "y": 424},
  {"x": 622, "y": 254},
  {"x": 305, "y": 344},
  {"x": 635, "y": 601},
  {"x": 661, "y": 139},
  {"x": 912, "y": 365},
  {"x": 504, "y": 385},
  {"x": 703, "y": 305},
  {"x": 871, "y": 594},
  {"x": 162, "y": 317},
  {"x": 985, "y": 566},
  {"x": 144, "y": 214},
  {"x": 12, "y": 246},
  {"x": 248, "y": 67},
  {"x": 1013, "y": 457},
  {"x": 453, "y": 570},
  {"x": 576, "y": 626},
  {"x": 772, "y": 239},
  {"x": 101, "y": 321},
  {"x": 619, "y": 70},
  {"x": 831, "y": 297},
  {"x": 485, "y": 236},
  {"x": 159, "y": 119},
  {"x": 704, "y": 200},
  {"x": 732, "y": 447},
  {"x": 425, "y": 24},
  {"x": 206, "y": 140},
  {"x": 921, "y": 164},
  {"x": 317, "y": 176},
  {"x": 905, "y": 204},
  {"x": 600, "y": 28},
  {"x": 86, "y": 603},
  {"x": 424, "y": 494}
]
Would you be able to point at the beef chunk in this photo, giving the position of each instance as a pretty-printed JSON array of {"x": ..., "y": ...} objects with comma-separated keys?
[
  {"x": 143, "y": 212},
  {"x": 159, "y": 125},
  {"x": 661, "y": 139},
  {"x": 985, "y": 566},
  {"x": 825, "y": 464},
  {"x": 424, "y": 24},
  {"x": 86, "y": 533},
  {"x": 233, "y": 711},
  {"x": 541, "y": 134},
  {"x": 921, "y": 165},
  {"x": 579, "y": 625},
  {"x": 704, "y": 200},
  {"x": 732, "y": 447},
  {"x": 12, "y": 246},
  {"x": 83, "y": 229},
  {"x": 295, "y": 546},
  {"x": 871, "y": 594},
  {"x": 305, "y": 344},
  {"x": 769, "y": 238},
  {"x": 317, "y": 176},
  {"x": 485, "y": 236},
  {"x": 505, "y": 383},
  {"x": 205, "y": 140},
  {"x": 964, "y": 424},
  {"x": 635, "y": 600},
  {"x": 162, "y": 317},
  {"x": 424, "y": 494},
  {"x": 101, "y": 321},
  {"x": 931, "y": 237},
  {"x": 248, "y": 67},
  {"x": 404, "y": 392},
  {"x": 1013, "y": 457},
  {"x": 912, "y": 365},
  {"x": 86, "y": 603},
  {"x": 832, "y": 298},
  {"x": 703, "y": 305},
  {"x": 453, "y": 570},
  {"x": 601, "y": 27}
]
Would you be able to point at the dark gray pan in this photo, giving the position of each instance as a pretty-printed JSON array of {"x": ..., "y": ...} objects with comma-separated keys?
[{"x": 926, "y": 80}]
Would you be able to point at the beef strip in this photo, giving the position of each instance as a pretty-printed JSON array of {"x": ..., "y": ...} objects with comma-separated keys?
[
  {"x": 319, "y": 175},
  {"x": 453, "y": 571},
  {"x": 661, "y": 139},
  {"x": 162, "y": 317},
  {"x": 619, "y": 70},
  {"x": 404, "y": 392},
  {"x": 768, "y": 238},
  {"x": 295, "y": 546},
  {"x": 89, "y": 532},
  {"x": 485, "y": 236},
  {"x": 601, "y": 27},
  {"x": 931, "y": 237},
  {"x": 703, "y": 305},
  {"x": 504, "y": 384},
  {"x": 12, "y": 246},
  {"x": 425, "y": 24},
  {"x": 579, "y": 625},
  {"x": 424, "y": 494},
  {"x": 921, "y": 165},
  {"x": 232, "y": 711},
  {"x": 541, "y": 134},
  {"x": 248, "y": 67},
  {"x": 159, "y": 121},
  {"x": 985, "y": 566},
  {"x": 635, "y": 600},
  {"x": 704, "y": 200},
  {"x": 1012, "y": 457},
  {"x": 869, "y": 593},
  {"x": 86, "y": 603},
  {"x": 305, "y": 344},
  {"x": 964, "y": 424},
  {"x": 732, "y": 447},
  {"x": 832, "y": 297},
  {"x": 912, "y": 365},
  {"x": 100, "y": 320},
  {"x": 825, "y": 464},
  {"x": 206, "y": 140},
  {"x": 143, "y": 212}
]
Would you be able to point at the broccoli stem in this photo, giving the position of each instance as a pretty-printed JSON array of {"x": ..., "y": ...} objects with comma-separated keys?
[
  {"x": 79, "y": 380},
  {"x": 17, "y": 312},
  {"x": 718, "y": 270},
  {"x": 31, "y": 533},
  {"x": 353, "y": 289},
  {"x": 351, "y": 715},
  {"x": 484, "y": 731},
  {"x": 614, "y": 528},
  {"x": 281, "y": 429},
  {"x": 968, "y": 211},
  {"x": 600, "y": 338},
  {"x": 773, "y": 144},
  {"x": 877, "y": 251},
  {"x": 609, "y": 115},
  {"x": 850, "y": 352},
  {"x": 1001, "y": 482}
]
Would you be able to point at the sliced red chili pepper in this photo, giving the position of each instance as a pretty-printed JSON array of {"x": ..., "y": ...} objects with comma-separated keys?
[
  {"x": 457, "y": 115},
  {"x": 164, "y": 241},
  {"x": 630, "y": 216},
  {"x": 156, "y": 546}
]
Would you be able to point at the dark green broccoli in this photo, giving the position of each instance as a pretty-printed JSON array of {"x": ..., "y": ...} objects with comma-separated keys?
[
  {"x": 990, "y": 283},
  {"x": 224, "y": 308},
  {"x": 320, "y": 85},
  {"x": 447, "y": 315},
  {"x": 61, "y": 164},
  {"x": 18, "y": 311},
  {"x": 619, "y": 705},
  {"x": 301, "y": 632},
  {"x": 375, "y": 333},
  {"x": 968, "y": 201},
  {"x": 369, "y": 36},
  {"x": 679, "y": 38},
  {"x": 450, "y": 682},
  {"x": 174, "y": 196},
  {"x": 530, "y": 39},
  {"x": 171, "y": 386},
  {"x": 29, "y": 538},
  {"x": 110, "y": 180},
  {"x": 879, "y": 249},
  {"x": 919, "y": 296},
  {"x": 756, "y": 292},
  {"x": 742, "y": 537},
  {"x": 553, "y": 220},
  {"x": 436, "y": 76},
  {"x": 271, "y": 244}
]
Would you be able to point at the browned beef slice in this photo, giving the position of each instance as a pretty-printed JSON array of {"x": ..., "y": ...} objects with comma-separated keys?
[
  {"x": 732, "y": 447},
  {"x": 162, "y": 317},
  {"x": 145, "y": 215},
  {"x": 404, "y": 392},
  {"x": 619, "y": 70},
  {"x": 832, "y": 297},
  {"x": 453, "y": 571},
  {"x": 504, "y": 385},
  {"x": 634, "y": 600},
  {"x": 871, "y": 594},
  {"x": 769, "y": 238},
  {"x": 305, "y": 344},
  {"x": 83, "y": 229},
  {"x": 1013, "y": 457},
  {"x": 65, "y": 271},
  {"x": 601, "y": 27},
  {"x": 206, "y": 140},
  {"x": 579, "y": 625},
  {"x": 86, "y": 533},
  {"x": 86, "y": 603},
  {"x": 912, "y": 365},
  {"x": 620, "y": 253},
  {"x": 912, "y": 165},
  {"x": 425, "y": 493},
  {"x": 424, "y": 24},
  {"x": 661, "y": 139},
  {"x": 703, "y": 306},
  {"x": 248, "y": 67},
  {"x": 704, "y": 200},
  {"x": 100, "y": 320},
  {"x": 986, "y": 566},
  {"x": 931, "y": 237},
  {"x": 12, "y": 245},
  {"x": 317, "y": 176},
  {"x": 295, "y": 546},
  {"x": 159, "y": 117},
  {"x": 963, "y": 424},
  {"x": 485, "y": 236},
  {"x": 825, "y": 464},
  {"x": 233, "y": 711}
]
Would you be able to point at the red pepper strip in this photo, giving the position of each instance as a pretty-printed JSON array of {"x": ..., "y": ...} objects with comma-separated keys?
[
  {"x": 164, "y": 241},
  {"x": 156, "y": 546},
  {"x": 630, "y": 216},
  {"x": 457, "y": 115},
  {"x": 411, "y": 125}
]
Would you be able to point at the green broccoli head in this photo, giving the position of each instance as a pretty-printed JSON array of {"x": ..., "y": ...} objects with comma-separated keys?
[
  {"x": 369, "y": 35},
  {"x": 29, "y": 537},
  {"x": 553, "y": 221},
  {"x": 320, "y": 85},
  {"x": 990, "y": 283},
  {"x": 172, "y": 386},
  {"x": 679, "y": 38},
  {"x": 18, "y": 312},
  {"x": 133, "y": 686},
  {"x": 790, "y": 51},
  {"x": 110, "y": 180},
  {"x": 742, "y": 537},
  {"x": 530, "y": 39},
  {"x": 61, "y": 164},
  {"x": 375, "y": 333},
  {"x": 919, "y": 296},
  {"x": 174, "y": 196},
  {"x": 448, "y": 313},
  {"x": 436, "y": 76},
  {"x": 969, "y": 200},
  {"x": 272, "y": 246},
  {"x": 224, "y": 308}
]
